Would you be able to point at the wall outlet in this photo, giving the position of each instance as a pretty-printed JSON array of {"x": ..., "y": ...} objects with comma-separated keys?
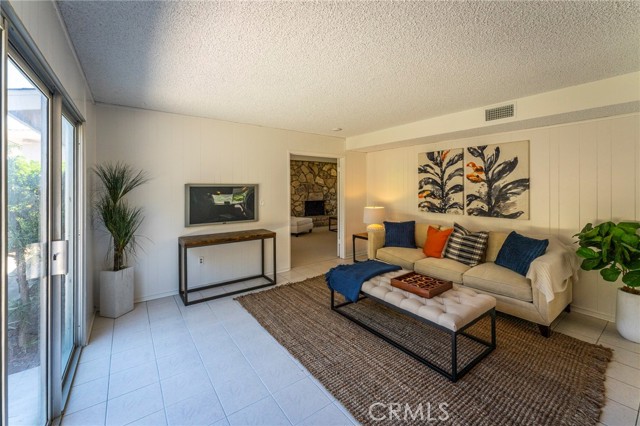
[{"x": 201, "y": 260}]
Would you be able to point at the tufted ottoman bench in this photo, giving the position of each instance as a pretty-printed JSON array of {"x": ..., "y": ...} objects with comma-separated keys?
[{"x": 452, "y": 312}]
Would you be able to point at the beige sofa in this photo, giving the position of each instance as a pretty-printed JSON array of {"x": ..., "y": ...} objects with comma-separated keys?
[{"x": 539, "y": 297}]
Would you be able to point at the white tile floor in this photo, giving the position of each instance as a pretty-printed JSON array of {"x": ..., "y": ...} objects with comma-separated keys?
[
  {"x": 213, "y": 364},
  {"x": 623, "y": 374}
]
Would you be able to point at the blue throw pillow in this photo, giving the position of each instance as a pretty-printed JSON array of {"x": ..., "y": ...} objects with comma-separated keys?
[
  {"x": 400, "y": 234},
  {"x": 519, "y": 251}
]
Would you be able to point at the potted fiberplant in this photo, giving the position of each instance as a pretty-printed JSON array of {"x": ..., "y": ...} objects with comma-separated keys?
[
  {"x": 122, "y": 222},
  {"x": 614, "y": 249}
]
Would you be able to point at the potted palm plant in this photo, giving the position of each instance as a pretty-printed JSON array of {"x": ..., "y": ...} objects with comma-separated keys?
[
  {"x": 122, "y": 222},
  {"x": 614, "y": 249}
]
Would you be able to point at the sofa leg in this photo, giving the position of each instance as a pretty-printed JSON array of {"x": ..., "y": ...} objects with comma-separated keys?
[
  {"x": 567, "y": 309},
  {"x": 545, "y": 330}
]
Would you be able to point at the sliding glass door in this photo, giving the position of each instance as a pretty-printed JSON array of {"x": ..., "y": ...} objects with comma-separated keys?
[
  {"x": 67, "y": 234},
  {"x": 27, "y": 155},
  {"x": 40, "y": 321}
]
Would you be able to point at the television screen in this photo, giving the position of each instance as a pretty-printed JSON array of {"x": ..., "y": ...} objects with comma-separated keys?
[{"x": 220, "y": 203}]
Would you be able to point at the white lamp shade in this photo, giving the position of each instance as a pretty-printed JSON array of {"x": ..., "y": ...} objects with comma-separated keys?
[{"x": 373, "y": 215}]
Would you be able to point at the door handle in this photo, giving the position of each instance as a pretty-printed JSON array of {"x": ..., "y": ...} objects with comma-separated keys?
[{"x": 59, "y": 261}]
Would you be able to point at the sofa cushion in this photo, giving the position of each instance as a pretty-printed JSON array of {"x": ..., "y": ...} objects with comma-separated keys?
[
  {"x": 435, "y": 242},
  {"x": 444, "y": 269},
  {"x": 400, "y": 234},
  {"x": 519, "y": 251},
  {"x": 496, "y": 279},
  {"x": 494, "y": 244},
  {"x": 401, "y": 256},
  {"x": 421, "y": 233},
  {"x": 466, "y": 246}
]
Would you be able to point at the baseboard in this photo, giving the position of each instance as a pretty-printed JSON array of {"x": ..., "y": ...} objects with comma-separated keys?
[
  {"x": 361, "y": 254},
  {"x": 90, "y": 325},
  {"x": 156, "y": 296},
  {"x": 592, "y": 313}
]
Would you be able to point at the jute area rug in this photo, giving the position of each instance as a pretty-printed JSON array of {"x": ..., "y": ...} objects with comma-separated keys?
[{"x": 527, "y": 380}]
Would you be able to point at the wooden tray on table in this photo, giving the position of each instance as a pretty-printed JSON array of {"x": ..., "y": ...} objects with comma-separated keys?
[{"x": 422, "y": 285}]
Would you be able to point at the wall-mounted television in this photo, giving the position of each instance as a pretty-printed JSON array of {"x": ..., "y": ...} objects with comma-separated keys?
[{"x": 208, "y": 204}]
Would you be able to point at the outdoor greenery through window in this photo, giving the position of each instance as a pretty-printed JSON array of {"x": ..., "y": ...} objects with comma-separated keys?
[{"x": 27, "y": 130}]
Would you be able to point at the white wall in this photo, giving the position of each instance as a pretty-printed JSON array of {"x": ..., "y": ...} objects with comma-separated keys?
[
  {"x": 176, "y": 150},
  {"x": 355, "y": 199},
  {"x": 580, "y": 172},
  {"x": 44, "y": 25}
]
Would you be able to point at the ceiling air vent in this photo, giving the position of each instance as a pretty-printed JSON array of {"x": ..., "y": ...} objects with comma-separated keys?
[{"x": 497, "y": 113}]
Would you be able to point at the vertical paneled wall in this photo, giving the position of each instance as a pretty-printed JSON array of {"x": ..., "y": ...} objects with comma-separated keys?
[
  {"x": 176, "y": 150},
  {"x": 580, "y": 172}
]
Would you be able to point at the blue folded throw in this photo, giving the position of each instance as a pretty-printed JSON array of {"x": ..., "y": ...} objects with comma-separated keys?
[{"x": 347, "y": 279}]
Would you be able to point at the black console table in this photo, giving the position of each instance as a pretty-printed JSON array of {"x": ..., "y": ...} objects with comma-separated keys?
[{"x": 191, "y": 241}]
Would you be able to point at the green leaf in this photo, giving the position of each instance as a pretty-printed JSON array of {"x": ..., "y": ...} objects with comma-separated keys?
[
  {"x": 588, "y": 253},
  {"x": 606, "y": 244},
  {"x": 611, "y": 273},
  {"x": 588, "y": 227},
  {"x": 632, "y": 279},
  {"x": 603, "y": 228},
  {"x": 587, "y": 233},
  {"x": 629, "y": 227},
  {"x": 631, "y": 239},
  {"x": 592, "y": 234},
  {"x": 634, "y": 265},
  {"x": 591, "y": 264},
  {"x": 595, "y": 242},
  {"x": 616, "y": 233}
]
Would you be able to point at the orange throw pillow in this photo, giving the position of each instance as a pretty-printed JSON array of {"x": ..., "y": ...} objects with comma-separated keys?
[{"x": 436, "y": 240}]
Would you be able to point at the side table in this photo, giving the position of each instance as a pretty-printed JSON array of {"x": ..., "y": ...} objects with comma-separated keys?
[
  {"x": 358, "y": 236},
  {"x": 333, "y": 223}
]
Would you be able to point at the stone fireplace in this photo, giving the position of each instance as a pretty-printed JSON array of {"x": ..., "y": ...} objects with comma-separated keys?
[{"x": 314, "y": 181}]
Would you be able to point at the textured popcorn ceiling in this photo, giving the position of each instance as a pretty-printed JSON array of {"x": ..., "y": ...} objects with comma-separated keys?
[{"x": 361, "y": 66}]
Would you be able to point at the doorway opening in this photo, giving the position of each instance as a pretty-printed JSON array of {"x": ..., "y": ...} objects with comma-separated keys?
[{"x": 314, "y": 209}]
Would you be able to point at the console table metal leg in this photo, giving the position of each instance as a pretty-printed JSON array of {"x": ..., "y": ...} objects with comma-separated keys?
[
  {"x": 185, "y": 275},
  {"x": 180, "y": 281},
  {"x": 262, "y": 253},
  {"x": 274, "y": 260}
]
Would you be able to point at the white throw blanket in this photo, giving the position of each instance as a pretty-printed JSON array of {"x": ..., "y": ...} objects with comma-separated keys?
[{"x": 549, "y": 272}]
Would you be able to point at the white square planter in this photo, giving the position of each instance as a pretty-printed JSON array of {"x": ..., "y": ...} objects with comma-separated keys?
[{"x": 116, "y": 292}]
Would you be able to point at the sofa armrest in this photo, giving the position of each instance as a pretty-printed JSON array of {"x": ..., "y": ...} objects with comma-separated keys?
[
  {"x": 376, "y": 240},
  {"x": 549, "y": 272}
]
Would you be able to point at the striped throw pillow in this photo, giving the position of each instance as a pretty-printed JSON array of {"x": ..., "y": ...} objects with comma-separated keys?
[{"x": 465, "y": 246}]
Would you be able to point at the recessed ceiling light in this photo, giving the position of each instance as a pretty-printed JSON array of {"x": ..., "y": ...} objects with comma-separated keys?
[{"x": 337, "y": 129}]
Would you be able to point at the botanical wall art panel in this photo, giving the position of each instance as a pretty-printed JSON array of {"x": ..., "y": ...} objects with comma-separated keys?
[
  {"x": 496, "y": 182},
  {"x": 440, "y": 181}
]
